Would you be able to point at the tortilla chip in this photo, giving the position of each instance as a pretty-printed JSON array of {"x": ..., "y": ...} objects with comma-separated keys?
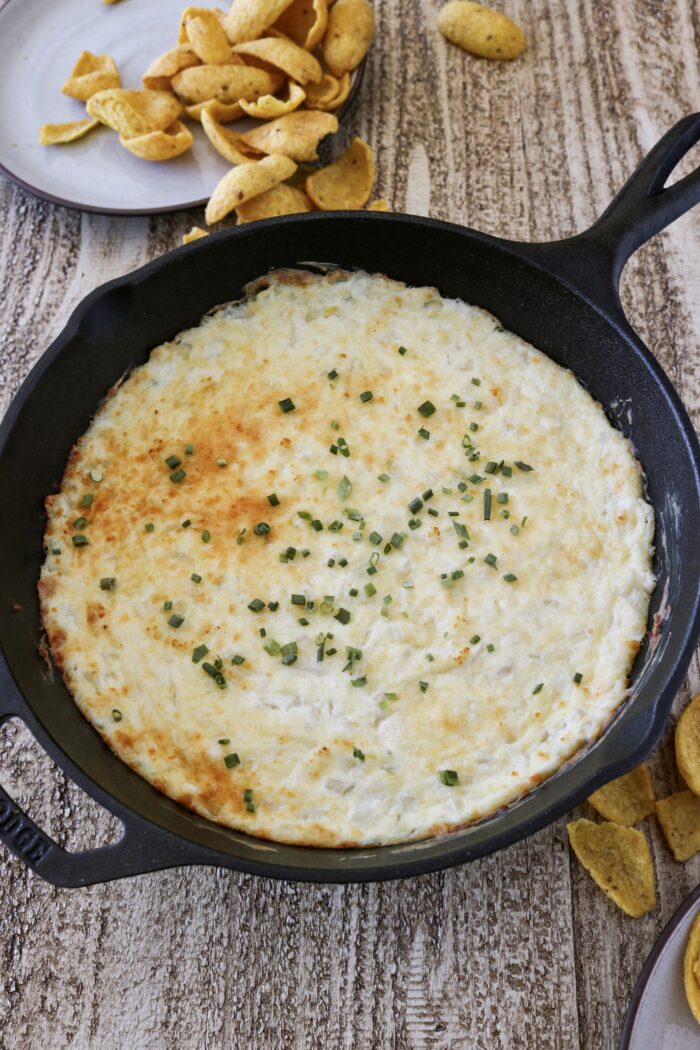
[
  {"x": 228, "y": 84},
  {"x": 626, "y": 800},
  {"x": 691, "y": 969},
  {"x": 163, "y": 68},
  {"x": 269, "y": 107},
  {"x": 317, "y": 95},
  {"x": 160, "y": 145},
  {"x": 61, "y": 134},
  {"x": 679, "y": 817},
  {"x": 348, "y": 36},
  {"x": 248, "y": 19},
  {"x": 132, "y": 113},
  {"x": 91, "y": 73},
  {"x": 283, "y": 54},
  {"x": 280, "y": 200},
  {"x": 195, "y": 234},
  {"x": 206, "y": 35},
  {"x": 222, "y": 112},
  {"x": 379, "y": 205},
  {"x": 297, "y": 135},
  {"x": 228, "y": 143},
  {"x": 244, "y": 182},
  {"x": 345, "y": 184},
  {"x": 688, "y": 745},
  {"x": 619, "y": 860},
  {"x": 304, "y": 22}
]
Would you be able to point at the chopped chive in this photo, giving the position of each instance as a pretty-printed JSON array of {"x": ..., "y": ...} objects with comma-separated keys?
[
  {"x": 80, "y": 523},
  {"x": 367, "y": 395},
  {"x": 238, "y": 660},
  {"x": 176, "y": 620},
  {"x": 248, "y": 799},
  {"x": 461, "y": 530},
  {"x": 448, "y": 776},
  {"x": 273, "y": 606},
  {"x": 356, "y": 753},
  {"x": 289, "y": 653},
  {"x": 240, "y": 537},
  {"x": 515, "y": 529},
  {"x": 487, "y": 504},
  {"x": 342, "y": 616},
  {"x": 538, "y": 688},
  {"x": 491, "y": 467},
  {"x": 370, "y": 590},
  {"x": 116, "y": 714},
  {"x": 490, "y": 648},
  {"x": 55, "y": 550},
  {"x": 333, "y": 374},
  {"x": 375, "y": 538},
  {"x": 491, "y": 560},
  {"x": 473, "y": 427},
  {"x": 476, "y": 479},
  {"x": 199, "y": 653},
  {"x": 426, "y": 409},
  {"x": 423, "y": 687},
  {"x": 478, "y": 405},
  {"x": 173, "y": 461},
  {"x": 423, "y": 433},
  {"x": 578, "y": 678},
  {"x": 353, "y": 592},
  {"x": 384, "y": 478},
  {"x": 502, "y": 497},
  {"x": 287, "y": 405},
  {"x": 523, "y": 466},
  {"x": 433, "y": 512},
  {"x": 149, "y": 527},
  {"x": 298, "y": 599},
  {"x": 510, "y": 577},
  {"x": 224, "y": 740},
  {"x": 414, "y": 523},
  {"x": 507, "y": 472},
  {"x": 344, "y": 487},
  {"x": 178, "y": 475},
  {"x": 415, "y": 505},
  {"x": 256, "y": 605},
  {"x": 167, "y": 606},
  {"x": 86, "y": 500},
  {"x": 79, "y": 540},
  {"x": 261, "y": 529},
  {"x": 221, "y": 462},
  {"x": 475, "y": 381},
  {"x": 231, "y": 760},
  {"x": 403, "y": 350},
  {"x": 358, "y": 682},
  {"x": 317, "y": 525},
  {"x": 108, "y": 583},
  {"x": 196, "y": 578},
  {"x": 321, "y": 474},
  {"x": 475, "y": 639},
  {"x": 186, "y": 523},
  {"x": 189, "y": 450},
  {"x": 206, "y": 536},
  {"x": 273, "y": 499}
]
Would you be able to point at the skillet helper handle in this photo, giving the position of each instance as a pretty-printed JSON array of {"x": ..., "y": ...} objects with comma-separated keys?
[
  {"x": 593, "y": 261},
  {"x": 142, "y": 847}
]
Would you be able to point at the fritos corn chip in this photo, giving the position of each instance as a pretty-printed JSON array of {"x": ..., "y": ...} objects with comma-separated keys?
[
  {"x": 269, "y": 107},
  {"x": 244, "y": 182},
  {"x": 91, "y": 73},
  {"x": 195, "y": 234},
  {"x": 480, "y": 30},
  {"x": 688, "y": 745},
  {"x": 348, "y": 36},
  {"x": 379, "y": 205},
  {"x": 248, "y": 19},
  {"x": 221, "y": 111},
  {"x": 280, "y": 200},
  {"x": 304, "y": 22},
  {"x": 679, "y": 817},
  {"x": 626, "y": 800},
  {"x": 61, "y": 134},
  {"x": 297, "y": 135},
  {"x": 618, "y": 859},
  {"x": 162, "y": 69},
  {"x": 283, "y": 54},
  {"x": 227, "y": 143},
  {"x": 206, "y": 35},
  {"x": 328, "y": 104},
  {"x": 132, "y": 113},
  {"x": 228, "y": 84},
  {"x": 317, "y": 95},
  {"x": 347, "y": 183},
  {"x": 160, "y": 145},
  {"x": 691, "y": 968}
]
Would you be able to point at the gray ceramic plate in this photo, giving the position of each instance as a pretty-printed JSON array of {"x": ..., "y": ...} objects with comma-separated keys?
[
  {"x": 39, "y": 43},
  {"x": 659, "y": 1017}
]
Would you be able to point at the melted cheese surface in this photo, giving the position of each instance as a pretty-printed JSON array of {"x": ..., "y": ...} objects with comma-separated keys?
[{"x": 463, "y": 695}]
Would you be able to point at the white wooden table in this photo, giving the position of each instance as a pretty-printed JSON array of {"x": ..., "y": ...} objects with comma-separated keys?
[{"x": 516, "y": 951}]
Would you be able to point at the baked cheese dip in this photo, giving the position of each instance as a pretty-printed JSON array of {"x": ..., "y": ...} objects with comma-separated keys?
[{"x": 347, "y": 564}]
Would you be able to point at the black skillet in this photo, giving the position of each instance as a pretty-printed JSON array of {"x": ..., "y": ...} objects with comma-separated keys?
[{"x": 563, "y": 297}]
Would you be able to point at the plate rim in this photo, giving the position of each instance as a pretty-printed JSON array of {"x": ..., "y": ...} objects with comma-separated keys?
[
  {"x": 651, "y": 963},
  {"x": 95, "y": 209}
]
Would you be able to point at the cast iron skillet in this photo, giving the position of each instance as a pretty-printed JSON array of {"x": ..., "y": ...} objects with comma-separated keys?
[{"x": 560, "y": 296}]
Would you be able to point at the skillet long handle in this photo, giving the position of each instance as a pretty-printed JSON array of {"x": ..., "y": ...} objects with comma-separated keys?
[
  {"x": 142, "y": 847},
  {"x": 592, "y": 261}
]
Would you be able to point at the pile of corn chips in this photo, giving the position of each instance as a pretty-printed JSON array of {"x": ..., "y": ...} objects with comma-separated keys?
[
  {"x": 614, "y": 853},
  {"x": 286, "y": 63}
]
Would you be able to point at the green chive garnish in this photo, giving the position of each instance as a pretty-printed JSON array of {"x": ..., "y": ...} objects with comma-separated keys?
[
  {"x": 448, "y": 776},
  {"x": 108, "y": 583},
  {"x": 356, "y": 753},
  {"x": 289, "y": 653},
  {"x": 273, "y": 500},
  {"x": 423, "y": 433},
  {"x": 79, "y": 540},
  {"x": 370, "y": 590},
  {"x": 358, "y": 682},
  {"x": 261, "y": 529},
  {"x": 426, "y": 409},
  {"x": 578, "y": 678},
  {"x": 173, "y": 461},
  {"x": 423, "y": 687},
  {"x": 344, "y": 487},
  {"x": 189, "y": 450},
  {"x": 342, "y": 616},
  {"x": 256, "y": 605},
  {"x": 178, "y": 475},
  {"x": 238, "y": 660},
  {"x": 367, "y": 395},
  {"x": 523, "y": 466},
  {"x": 199, "y": 653},
  {"x": 176, "y": 620},
  {"x": 538, "y": 688},
  {"x": 149, "y": 527},
  {"x": 475, "y": 381},
  {"x": 491, "y": 560},
  {"x": 487, "y": 504},
  {"x": 232, "y": 760},
  {"x": 384, "y": 478},
  {"x": 116, "y": 714},
  {"x": 298, "y": 599},
  {"x": 196, "y": 578},
  {"x": 167, "y": 606},
  {"x": 206, "y": 536},
  {"x": 186, "y": 523},
  {"x": 240, "y": 537},
  {"x": 287, "y": 405},
  {"x": 333, "y": 374},
  {"x": 86, "y": 500},
  {"x": 403, "y": 350},
  {"x": 221, "y": 462},
  {"x": 510, "y": 577}
]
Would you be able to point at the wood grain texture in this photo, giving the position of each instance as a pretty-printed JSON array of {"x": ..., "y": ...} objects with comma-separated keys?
[{"x": 519, "y": 950}]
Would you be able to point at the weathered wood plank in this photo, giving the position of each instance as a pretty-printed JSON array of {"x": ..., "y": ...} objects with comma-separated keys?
[{"x": 519, "y": 950}]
